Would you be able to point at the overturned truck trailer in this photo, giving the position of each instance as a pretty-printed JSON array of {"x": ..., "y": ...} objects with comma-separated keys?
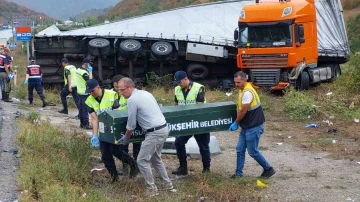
[{"x": 197, "y": 39}]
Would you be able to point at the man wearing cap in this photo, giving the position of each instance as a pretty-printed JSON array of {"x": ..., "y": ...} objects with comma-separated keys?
[
  {"x": 144, "y": 110},
  {"x": 187, "y": 93},
  {"x": 70, "y": 85},
  {"x": 99, "y": 101},
  {"x": 5, "y": 75},
  {"x": 82, "y": 75},
  {"x": 33, "y": 80}
]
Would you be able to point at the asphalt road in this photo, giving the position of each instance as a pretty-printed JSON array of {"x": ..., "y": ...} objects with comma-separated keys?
[{"x": 8, "y": 157}]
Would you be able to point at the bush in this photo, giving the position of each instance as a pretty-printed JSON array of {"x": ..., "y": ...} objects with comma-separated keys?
[
  {"x": 155, "y": 81},
  {"x": 350, "y": 78},
  {"x": 299, "y": 105}
]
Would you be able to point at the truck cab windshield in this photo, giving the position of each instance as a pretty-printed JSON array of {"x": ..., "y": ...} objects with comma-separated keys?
[{"x": 265, "y": 36}]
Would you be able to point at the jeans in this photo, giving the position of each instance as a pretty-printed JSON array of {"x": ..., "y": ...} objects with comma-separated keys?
[
  {"x": 39, "y": 90},
  {"x": 150, "y": 154},
  {"x": 202, "y": 140},
  {"x": 65, "y": 92},
  {"x": 83, "y": 111},
  {"x": 249, "y": 138}
]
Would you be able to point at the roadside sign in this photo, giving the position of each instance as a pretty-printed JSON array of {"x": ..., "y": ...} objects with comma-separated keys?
[
  {"x": 5, "y": 27},
  {"x": 12, "y": 44},
  {"x": 16, "y": 23},
  {"x": 23, "y": 33}
]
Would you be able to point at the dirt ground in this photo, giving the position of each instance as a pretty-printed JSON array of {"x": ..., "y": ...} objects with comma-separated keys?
[{"x": 302, "y": 175}]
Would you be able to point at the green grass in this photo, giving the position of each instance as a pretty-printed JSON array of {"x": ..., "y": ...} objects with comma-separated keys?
[{"x": 55, "y": 167}]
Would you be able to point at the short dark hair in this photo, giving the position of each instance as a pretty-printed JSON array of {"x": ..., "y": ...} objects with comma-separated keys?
[
  {"x": 117, "y": 78},
  {"x": 240, "y": 74}
]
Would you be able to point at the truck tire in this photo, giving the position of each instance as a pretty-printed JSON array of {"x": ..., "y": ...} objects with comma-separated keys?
[
  {"x": 99, "y": 46},
  {"x": 197, "y": 71},
  {"x": 129, "y": 48},
  {"x": 161, "y": 49},
  {"x": 304, "y": 81}
]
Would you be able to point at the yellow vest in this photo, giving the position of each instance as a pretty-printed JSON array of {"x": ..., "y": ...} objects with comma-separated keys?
[
  {"x": 106, "y": 103},
  {"x": 122, "y": 101},
  {"x": 81, "y": 82},
  {"x": 72, "y": 70},
  {"x": 256, "y": 99},
  {"x": 191, "y": 97}
]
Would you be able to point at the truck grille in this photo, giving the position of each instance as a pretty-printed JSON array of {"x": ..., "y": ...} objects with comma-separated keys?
[
  {"x": 264, "y": 60},
  {"x": 265, "y": 77}
]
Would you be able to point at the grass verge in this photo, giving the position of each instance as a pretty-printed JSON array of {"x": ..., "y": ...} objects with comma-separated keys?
[{"x": 54, "y": 166}]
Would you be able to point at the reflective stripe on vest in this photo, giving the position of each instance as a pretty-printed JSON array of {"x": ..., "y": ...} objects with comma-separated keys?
[
  {"x": 2, "y": 58},
  {"x": 106, "y": 103},
  {"x": 255, "y": 103},
  {"x": 72, "y": 70},
  {"x": 81, "y": 82},
  {"x": 34, "y": 71},
  {"x": 191, "y": 97}
]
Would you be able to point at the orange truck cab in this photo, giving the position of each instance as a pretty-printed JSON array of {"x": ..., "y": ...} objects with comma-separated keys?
[{"x": 278, "y": 46}]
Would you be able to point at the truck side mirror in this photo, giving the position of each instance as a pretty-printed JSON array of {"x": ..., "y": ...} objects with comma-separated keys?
[
  {"x": 301, "y": 31},
  {"x": 301, "y": 40},
  {"x": 236, "y": 35}
]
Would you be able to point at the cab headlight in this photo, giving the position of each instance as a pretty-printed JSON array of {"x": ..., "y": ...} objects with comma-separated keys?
[
  {"x": 242, "y": 14},
  {"x": 287, "y": 11}
]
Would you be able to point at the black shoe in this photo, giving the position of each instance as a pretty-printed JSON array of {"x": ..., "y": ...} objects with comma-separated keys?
[
  {"x": 134, "y": 171},
  {"x": 114, "y": 177},
  {"x": 44, "y": 104},
  {"x": 124, "y": 170},
  {"x": 87, "y": 127},
  {"x": 234, "y": 176},
  {"x": 180, "y": 171},
  {"x": 206, "y": 170},
  {"x": 63, "y": 111},
  {"x": 268, "y": 173}
]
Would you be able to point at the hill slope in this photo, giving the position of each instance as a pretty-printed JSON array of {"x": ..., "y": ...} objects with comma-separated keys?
[
  {"x": 9, "y": 10},
  {"x": 64, "y": 9}
]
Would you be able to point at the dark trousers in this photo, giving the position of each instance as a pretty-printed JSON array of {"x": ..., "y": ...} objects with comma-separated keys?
[
  {"x": 202, "y": 140},
  {"x": 136, "y": 149},
  {"x": 39, "y": 90},
  {"x": 83, "y": 111},
  {"x": 65, "y": 92},
  {"x": 109, "y": 150}
]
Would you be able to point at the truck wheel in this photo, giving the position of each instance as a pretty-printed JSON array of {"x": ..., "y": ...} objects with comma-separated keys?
[
  {"x": 129, "y": 48},
  {"x": 197, "y": 71},
  {"x": 337, "y": 71},
  {"x": 99, "y": 46},
  {"x": 304, "y": 81},
  {"x": 161, "y": 49}
]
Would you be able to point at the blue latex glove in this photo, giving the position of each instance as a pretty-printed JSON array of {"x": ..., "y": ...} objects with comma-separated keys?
[
  {"x": 26, "y": 82},
  {"x": 89, "y": 68},
  {"x": 234, "y": 126},
  {"x": 124, "y": 140},
  {"x": 11, "y": 75},
  {"x": 95, "y": 141}
]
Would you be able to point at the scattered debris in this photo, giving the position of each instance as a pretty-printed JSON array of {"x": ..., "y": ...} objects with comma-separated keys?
[
  {"x": 328, "y": 122},
  {"x": 356, "y": 120},
  {"x": 331, "y": 117},
  {"x": 229, "y": 94},
  {"x": 14, "y": 151},
  {"x": 333, "y": 141},
  {"x": 15, "y": 100},
  {"x": 329, "y": 93},
  {"x": 332, "y": 130},
  {"x": 5, "y": 117},
  {"x": 349, "y": 199},
  {"x": 358, "y": 162},
  {"x": 317, "y": 158},
  {"x": 201, "y": 199},
  {"x": 261, "y": 184},
  {"x": 352, "y": 105},
  {"x": 24, "y": 192},
  {"x": 312, "y": 125},
  {"x": 289, "y": 137},
  {"x": 84, "y": 195},
  {"x": 279, "y": 143}
]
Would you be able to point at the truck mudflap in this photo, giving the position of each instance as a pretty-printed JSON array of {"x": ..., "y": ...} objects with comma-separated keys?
[{"x": 181, "y": 120}]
